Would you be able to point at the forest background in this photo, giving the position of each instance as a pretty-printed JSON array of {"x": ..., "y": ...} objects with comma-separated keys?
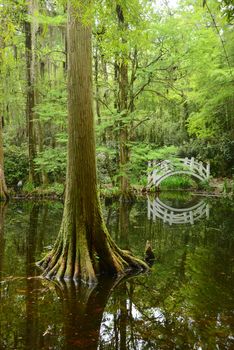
[{"x": 163, "y": 88}]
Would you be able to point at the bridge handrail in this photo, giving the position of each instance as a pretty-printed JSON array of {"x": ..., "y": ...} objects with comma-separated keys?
[{"x": 158, "y": 171}]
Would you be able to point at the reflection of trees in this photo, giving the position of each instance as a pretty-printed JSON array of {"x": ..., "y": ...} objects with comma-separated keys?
[
  {"x": 185, "y": 302},
  {"x": 2, "y": 240},
  {"x": 124, "y": 223},
  {"x": 83, "y": 309},
  {"x": 2, "y": 245},
  {"x": 43, "y": 227},
  {"x": 31, "y": 336}
]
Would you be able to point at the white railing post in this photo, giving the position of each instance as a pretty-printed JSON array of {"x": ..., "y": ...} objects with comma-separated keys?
[
  {"x": 192, "y": 163},
  {"x": 154, "y": 176},
  {"x": 208, "y": 169},
  {"x": 200, "y": 169},
  {"x": 149, "y": 172}
]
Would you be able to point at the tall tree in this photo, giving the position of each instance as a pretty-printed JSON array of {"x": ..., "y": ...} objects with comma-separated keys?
[
  {"x": 123, "y": 106},
  {"x": 30, "y": 41},
  {"x": 84, "y": 249},
  {"x": 3, "y": 187}
]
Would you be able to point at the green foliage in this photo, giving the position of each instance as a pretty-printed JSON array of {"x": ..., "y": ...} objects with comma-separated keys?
[
  {"x": 178, "y": 182},
  {"x": 167, "y": 152},
  {"x": 28, "y": 187},
  {"x": 180, "y": 86},
  {"x": 204, "y": 185},
  {"x": 110, "y": 192},
  {"x": 220, "y": 153},
  {"x": 15, "y": 165},
  {"x": 106, "y": 165},
  {"x": 53, "y": 105},
  {"x": 140, "y": 154},
  {"x": 53, "y": 162},
  {"x": 54, "y": 188},
  {"x": 49, "y": 190}
]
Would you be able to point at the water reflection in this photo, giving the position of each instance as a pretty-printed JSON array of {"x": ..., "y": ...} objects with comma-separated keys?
[
  {"x": 83, "y": 309},
  {"x": 2, "y": 238},
  {"x": 172, "y": 215},
  {"x": 186, "y": 302}
]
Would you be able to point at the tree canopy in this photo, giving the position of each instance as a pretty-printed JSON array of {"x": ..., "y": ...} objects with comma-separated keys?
[{"x": 163, "y": 77}]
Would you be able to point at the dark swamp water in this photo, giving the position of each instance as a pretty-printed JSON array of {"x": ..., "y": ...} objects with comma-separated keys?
[{"x": 186, "y": 302}]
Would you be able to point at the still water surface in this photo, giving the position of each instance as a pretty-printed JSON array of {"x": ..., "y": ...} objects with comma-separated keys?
[{"x": 185, "y": 302}]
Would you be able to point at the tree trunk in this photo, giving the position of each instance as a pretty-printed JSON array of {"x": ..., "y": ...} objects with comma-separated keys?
[
  {"x": 122, "y": 108},
  {"x": 97, "y": 86},
  {"x": 3, "y": 188},
  {"x": 30, "y": 33},
  {"x": 84, "y": 248}
]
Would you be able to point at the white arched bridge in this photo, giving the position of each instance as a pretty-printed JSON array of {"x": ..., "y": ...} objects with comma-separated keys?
[
  {"x": 170, "y": 215},
  {"x": 159, "y": 171}
]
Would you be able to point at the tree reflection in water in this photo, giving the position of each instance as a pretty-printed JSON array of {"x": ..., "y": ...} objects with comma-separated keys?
[
  {"x": 186, "y": 302},
  {"x": 83, "y": 309}
]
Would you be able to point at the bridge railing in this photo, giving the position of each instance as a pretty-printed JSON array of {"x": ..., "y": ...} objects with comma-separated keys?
[{"x": 158, "y": 171}]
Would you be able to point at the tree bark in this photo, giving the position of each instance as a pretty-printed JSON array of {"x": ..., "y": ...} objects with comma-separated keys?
[
  {"x": 122, "y": 108},
  {"x": 3, "y": 188},
  {"x": 97, "y": 86},
  {"x": 84, "y": 248},
  {"x": 30, "y": 33}
]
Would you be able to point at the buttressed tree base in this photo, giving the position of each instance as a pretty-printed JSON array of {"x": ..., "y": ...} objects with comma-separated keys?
[{"x": 84, "y": 248}]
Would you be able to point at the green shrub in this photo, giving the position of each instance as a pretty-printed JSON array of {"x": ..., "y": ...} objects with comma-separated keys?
[
  {"x": 56, "y": 188},
  {"x": 219, "y": 151},
  {"x": 15, "y": 165},
  {"x": 178, "y": 182},
  {"x": 53, "y": 162},
  {"x": 28, "y": 187}
]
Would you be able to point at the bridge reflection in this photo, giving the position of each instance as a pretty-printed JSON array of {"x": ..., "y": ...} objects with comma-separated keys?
[{"x": 159, "y": 210}]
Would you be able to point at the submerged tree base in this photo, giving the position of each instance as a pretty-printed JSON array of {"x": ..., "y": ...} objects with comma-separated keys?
[{"x": 83, "y": 252}]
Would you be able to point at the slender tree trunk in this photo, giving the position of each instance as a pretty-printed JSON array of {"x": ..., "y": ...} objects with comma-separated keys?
[
  {"x": 84, "y": 248},
  {"x": 122, "y": 108},
  {"x": 3, "y": 188},
  {"x": 97, "y": 86},
  {"x": 40, "y": 132},
  {"x": 40, "y": 75},
  {"x": 65, "y": 49},
  {"x": 30, "y": 33}
]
